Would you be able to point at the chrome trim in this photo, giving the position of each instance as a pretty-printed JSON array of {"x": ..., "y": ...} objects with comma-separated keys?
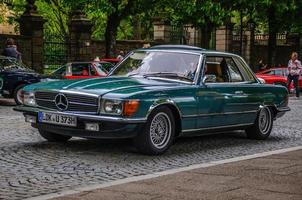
[
  {"x": 214, "y": 114},
  {"x": 26, "y": 109},
  {"x": 48, "y": 100},
  {"x": 217, "y": 127},
  {"x": 69, "y": 92},
  {"x": 171, "y": 79},
  {"x": 160, "y": 103},
  {"x": 283, "y": 109}
]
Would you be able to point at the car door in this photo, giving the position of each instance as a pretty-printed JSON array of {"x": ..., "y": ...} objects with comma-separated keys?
[{"x": 224, "y": 101}]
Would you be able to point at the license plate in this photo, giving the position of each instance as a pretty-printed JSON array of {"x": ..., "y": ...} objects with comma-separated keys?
[{"x": 54, "y": 118}]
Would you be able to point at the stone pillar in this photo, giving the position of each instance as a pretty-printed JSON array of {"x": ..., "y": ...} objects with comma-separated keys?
[
  {"x": 80, "y": 37},
  {"x": 31, "y": 25},
  {"x": 224, "y": 38},
  {"x": 162, "y": 31}
]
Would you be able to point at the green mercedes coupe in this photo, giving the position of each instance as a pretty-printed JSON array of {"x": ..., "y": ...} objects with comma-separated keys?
[{"x": 156, "y": 95}]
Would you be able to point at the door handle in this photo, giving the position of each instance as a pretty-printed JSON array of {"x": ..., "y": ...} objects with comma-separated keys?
[{"x": 238, "y": 92}]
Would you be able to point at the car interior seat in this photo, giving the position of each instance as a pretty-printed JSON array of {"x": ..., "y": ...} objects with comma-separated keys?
[{"x": 215, "y": 69}]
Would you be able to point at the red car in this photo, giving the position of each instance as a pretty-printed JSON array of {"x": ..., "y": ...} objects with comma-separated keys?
[
  {"x": 83, "y": 70},
  {"x": 277, "y": 76}
]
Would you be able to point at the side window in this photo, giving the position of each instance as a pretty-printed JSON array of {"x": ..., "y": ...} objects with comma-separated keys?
[
  {"x": 235, "y": 74},
  {"x": 278, "y": 72},
  {"x": 217, "y": 66},
  {"x": 245, "y": 70},
  {"x": 271, "y": 72},
  {"x": 224, "y": 68}
]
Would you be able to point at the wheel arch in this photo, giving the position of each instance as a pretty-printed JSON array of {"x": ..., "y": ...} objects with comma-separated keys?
[
  {"x": 173, "y": 107},
  {"x": 272, "y": 107}
]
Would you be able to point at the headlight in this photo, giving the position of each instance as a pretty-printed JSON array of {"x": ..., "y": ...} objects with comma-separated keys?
[
  {"x": 28, "y": 98},
  {"x": 114, "y": 107},
  {"x": 117, "y": 107}
]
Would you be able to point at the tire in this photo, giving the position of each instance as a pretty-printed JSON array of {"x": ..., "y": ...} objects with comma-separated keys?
[
  {"x": 53, "y": 137},
  {"x": 149, "y": 141},
  {"x": 263, "y": 125},
  {"x": 16, "y": 95}
]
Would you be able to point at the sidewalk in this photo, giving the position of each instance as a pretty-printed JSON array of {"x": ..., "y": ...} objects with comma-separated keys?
[{"x": 272, "y": 177}]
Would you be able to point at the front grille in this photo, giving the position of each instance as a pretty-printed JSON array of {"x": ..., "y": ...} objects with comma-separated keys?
[{"x": 76, "y": 102}]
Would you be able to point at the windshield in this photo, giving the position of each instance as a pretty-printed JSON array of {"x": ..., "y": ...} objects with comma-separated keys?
[
  {"x": 170, "y": 65},
  {"x": 101, "y": 70},
  {"x": 12, "y": 64}
]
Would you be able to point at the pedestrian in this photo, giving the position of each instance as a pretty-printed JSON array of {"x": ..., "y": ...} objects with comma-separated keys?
[
  {"x": 11, "y": 49},
  {"x": 120, "y": 56},
  {"x": 294, "y": 70},
  {"x": 261, "y": 65}
]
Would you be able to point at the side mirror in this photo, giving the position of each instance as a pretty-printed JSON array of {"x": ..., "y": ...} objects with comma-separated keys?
[{"x": 209, "y": 78}]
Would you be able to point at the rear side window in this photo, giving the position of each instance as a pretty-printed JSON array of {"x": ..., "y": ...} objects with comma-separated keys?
[
  {"x": 245, "y": 70},
  {"x": 269, "y": 72},
  {"x": 235, "y": 74}
]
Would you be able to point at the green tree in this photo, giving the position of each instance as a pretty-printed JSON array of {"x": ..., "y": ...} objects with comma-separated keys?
[{"x": 203, "y": 14}]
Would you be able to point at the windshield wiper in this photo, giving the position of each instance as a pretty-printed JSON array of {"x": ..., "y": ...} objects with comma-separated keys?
[{"x": 167, "y": 75}]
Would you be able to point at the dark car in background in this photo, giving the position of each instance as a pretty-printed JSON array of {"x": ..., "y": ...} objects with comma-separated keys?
[
  {"x": 14, "y": 76},
  {"x": 77, "y": 70}
]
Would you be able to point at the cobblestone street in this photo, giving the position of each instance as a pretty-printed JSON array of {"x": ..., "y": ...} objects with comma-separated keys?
[{"x": 30, "y": 166}]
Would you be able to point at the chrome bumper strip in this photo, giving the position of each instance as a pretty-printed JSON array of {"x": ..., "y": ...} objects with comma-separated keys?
[
  {"x": 26, "y": 109},
  {"x": 283, "y": 109}
]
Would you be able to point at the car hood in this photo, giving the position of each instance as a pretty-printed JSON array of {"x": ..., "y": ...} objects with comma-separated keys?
[{"x": 101, "y": 86}]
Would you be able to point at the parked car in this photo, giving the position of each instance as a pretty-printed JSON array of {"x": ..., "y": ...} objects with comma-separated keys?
[
  {"x": 156, "y": 95},
  {"x": 14, "y": 76},
  {"x": 277, "y": 76},
  {"x": 77, "y": 70}
]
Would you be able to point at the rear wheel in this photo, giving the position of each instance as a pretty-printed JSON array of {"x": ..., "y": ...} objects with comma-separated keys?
[
  {"x": 17, "y": 94},
  {"x": 53, "y": 137},
  {"x": 158, "y": 133},
  {"x": 263, "y": 125}
]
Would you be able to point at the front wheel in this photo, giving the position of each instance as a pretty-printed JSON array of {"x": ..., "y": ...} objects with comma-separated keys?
[
  {"x": 158, "y": 133},
  {"x": 53, "y": 137},
  {"x": 263, "y": 125}
]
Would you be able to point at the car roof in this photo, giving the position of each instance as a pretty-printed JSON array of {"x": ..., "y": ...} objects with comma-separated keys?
[{"x": 187, "y": 48}]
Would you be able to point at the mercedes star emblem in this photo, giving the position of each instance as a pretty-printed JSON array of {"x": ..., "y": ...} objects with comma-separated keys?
[{"x": 61, "y": 102}]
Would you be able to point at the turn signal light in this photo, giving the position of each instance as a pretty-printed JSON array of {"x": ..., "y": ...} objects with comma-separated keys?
[{"x": 130, "y": 107}]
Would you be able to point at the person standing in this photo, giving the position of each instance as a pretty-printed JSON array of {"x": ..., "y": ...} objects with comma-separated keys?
[
  {"x": 261, "y": 65},
  {"x": 120, "y": 56},
  {"x": 294, "y": 70},
  {"x": 11, "y": 50}
]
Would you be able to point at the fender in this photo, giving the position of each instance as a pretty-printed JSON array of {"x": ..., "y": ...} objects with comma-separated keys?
[{"x": 161, "y": 102}]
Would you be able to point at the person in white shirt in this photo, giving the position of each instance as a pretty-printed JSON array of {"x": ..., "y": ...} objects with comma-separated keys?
[{"x": 294, "y": 70}]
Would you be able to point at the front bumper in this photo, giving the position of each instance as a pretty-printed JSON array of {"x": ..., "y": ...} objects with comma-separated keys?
[{"x": 110, "y": 127}]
